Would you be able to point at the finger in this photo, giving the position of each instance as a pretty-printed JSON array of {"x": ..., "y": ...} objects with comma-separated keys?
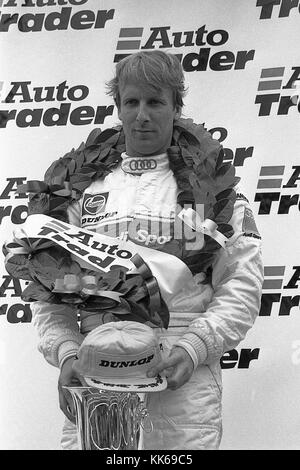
[
  {"x": 164, "y": 365},
  {"x": 75, "y": 381},
  {"x": 175, "y": 381},
  {"x": 78, "y": 381},
  {"x": 82, "y": 381},
  {"x": 66, "y": 404},
  {"x": 180, "y": 375},
  {"x": 67, "y": 410},
  {"x": 169, "y": 371}
]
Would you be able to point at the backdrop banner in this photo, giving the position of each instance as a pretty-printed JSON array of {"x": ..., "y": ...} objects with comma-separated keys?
[{"x": 242, "y": 68}]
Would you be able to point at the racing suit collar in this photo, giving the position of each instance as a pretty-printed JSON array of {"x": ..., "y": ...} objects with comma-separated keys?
[{"x": 140, "y": 165}]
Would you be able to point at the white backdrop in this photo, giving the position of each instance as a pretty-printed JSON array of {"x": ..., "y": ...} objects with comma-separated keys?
[{"x": 242, "y": 69}]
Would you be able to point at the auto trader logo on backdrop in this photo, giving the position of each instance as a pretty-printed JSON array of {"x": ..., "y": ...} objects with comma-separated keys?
[
  {"x": 27, "y": 105},
  {"x": 283, "y": 8},
  {"x": 277, "y": 280},
  {"x": 65, "y": 18},
  {"x": 273, "y": 85},
  {"x": 203, "y": 42},
  {"x": 278, "y": 184}
]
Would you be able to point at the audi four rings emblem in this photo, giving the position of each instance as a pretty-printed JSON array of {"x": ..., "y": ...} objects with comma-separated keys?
[{"x": 143, "y": 164}]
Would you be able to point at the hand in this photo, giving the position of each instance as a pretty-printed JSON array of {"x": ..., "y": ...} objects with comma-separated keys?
[
  {"x": 68, "y": 377},
  {"x": 178, "y": 368}
]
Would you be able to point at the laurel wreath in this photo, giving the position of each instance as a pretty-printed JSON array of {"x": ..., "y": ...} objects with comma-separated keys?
[{"x": 202, "y": 178}]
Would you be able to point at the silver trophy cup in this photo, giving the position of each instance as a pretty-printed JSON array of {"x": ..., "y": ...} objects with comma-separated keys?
[{"x": 109, "y": 420}]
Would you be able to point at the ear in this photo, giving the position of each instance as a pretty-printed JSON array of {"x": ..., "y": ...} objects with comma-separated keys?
[
  {"x": 177, "y": 112},
  {"x": 119, "y": 114}
]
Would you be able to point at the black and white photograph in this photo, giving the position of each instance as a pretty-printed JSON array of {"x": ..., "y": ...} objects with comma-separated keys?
[{"x": 150, "y": 198}]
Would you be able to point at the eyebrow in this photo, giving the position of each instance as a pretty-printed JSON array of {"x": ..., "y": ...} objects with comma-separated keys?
[{"x": 132, "y": 95}]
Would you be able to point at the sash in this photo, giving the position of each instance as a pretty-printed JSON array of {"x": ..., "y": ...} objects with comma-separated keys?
[{"x": 100, "y": 252}]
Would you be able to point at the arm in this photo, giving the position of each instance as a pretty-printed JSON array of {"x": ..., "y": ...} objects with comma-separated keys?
[
  {"x": 56, "y": 324},
  {"x": 59, "y": 340},
  {"x": 237, "y": 282},
  {"x": 58, "y": 331}
]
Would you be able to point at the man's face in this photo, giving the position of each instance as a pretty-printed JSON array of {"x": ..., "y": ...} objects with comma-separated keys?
[{"x": 147, "y": 116}]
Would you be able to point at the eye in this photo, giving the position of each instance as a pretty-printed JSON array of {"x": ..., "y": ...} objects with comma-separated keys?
[
  {"x": 155, "y": 102},
  {"x": 131, "y": 102}
]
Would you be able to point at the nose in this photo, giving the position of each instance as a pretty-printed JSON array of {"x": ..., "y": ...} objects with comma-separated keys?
[{"x": 142, "y": 114}]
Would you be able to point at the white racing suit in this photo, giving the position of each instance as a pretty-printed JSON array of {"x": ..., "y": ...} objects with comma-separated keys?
[{"x": 205, "y": 319}]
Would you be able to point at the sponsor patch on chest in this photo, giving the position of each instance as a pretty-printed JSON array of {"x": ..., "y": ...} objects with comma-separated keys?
[{"x": 94, "y": 204}]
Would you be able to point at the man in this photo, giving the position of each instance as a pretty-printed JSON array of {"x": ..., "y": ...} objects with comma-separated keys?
[{"x": 209, "y": 317}]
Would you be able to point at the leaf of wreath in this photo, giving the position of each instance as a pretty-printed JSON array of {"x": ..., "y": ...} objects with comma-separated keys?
[
  {"x": 38, "y": 203},
  {"x": 91, "y": 154},
  {"x": 223, "y": 210},
  {"x": 92, "y": 137},
  {"x": 36, "y": 291},
  {"x": 227, "y": 193},
  {"x": 200, "y": 262}
]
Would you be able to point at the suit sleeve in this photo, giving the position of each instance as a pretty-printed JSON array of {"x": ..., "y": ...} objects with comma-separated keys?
[
  {"x": 57, "y": 325},
  {"x": 237, "y": 283}
]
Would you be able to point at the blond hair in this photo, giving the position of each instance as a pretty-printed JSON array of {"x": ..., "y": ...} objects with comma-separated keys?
[{"x": 155, "y": 68}]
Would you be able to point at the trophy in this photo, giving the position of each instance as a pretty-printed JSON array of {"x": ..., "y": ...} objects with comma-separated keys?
[
  {"x": 110, "y": 420},
  {"x": 111, "y": 409}
]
